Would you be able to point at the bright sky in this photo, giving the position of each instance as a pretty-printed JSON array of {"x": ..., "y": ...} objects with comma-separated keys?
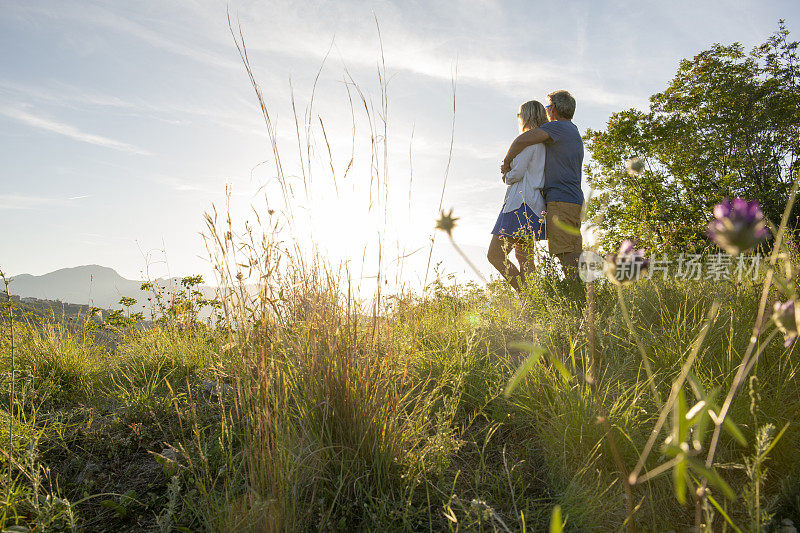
[{"x": 122, "y": 122}]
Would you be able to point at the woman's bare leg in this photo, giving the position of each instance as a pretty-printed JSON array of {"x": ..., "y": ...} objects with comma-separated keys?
[
  {"x": 523, "y": 258},
  {"x": 498, "y": 257},
  {"x": 526, "y": 253}
]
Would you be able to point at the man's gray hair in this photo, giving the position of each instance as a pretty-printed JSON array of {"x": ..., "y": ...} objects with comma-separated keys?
[{"x": 563, "y": 102}]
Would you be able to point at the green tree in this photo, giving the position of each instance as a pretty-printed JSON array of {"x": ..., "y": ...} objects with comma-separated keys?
[{"x": 727, "y": 125}]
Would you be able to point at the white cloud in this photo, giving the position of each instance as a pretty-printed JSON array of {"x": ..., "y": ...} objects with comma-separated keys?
[
  {"x": 19, "y": 201},
  {"x": 236, "y": 113},
  {"x": 61, "y": 93},
  {"x": 498, "y": 63},
  {"x": 66, "y": 130},
  {"x": 122, "y": 22},
  {"x": 283, "y": 29},
  {"x": 23, "y": 201}
]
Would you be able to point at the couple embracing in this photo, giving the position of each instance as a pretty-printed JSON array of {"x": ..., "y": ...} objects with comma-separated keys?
[{"x": 542, "y": 172}]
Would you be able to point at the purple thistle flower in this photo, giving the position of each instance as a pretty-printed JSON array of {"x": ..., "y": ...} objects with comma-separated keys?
[
  {"x": 787, "y": 316},
  {"x": 627, "y": 247},
  {"x": 627, "y": 265},
  {"x": 738, "y": 225}
]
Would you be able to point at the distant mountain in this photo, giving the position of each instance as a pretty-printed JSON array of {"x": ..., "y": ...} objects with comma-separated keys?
[{"x": 94, "y": 285}]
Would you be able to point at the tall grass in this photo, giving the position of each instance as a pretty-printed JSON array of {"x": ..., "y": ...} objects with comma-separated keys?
[{"x": 342, "y": 419}]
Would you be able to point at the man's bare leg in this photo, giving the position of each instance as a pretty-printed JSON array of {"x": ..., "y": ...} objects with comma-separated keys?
[{"x": 498, "y": 257}]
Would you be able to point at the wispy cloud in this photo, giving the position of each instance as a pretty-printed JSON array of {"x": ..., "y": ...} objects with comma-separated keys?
[
  {"x": 198, "y": 184},
  {"x": 67, "y": 130},
  {"x": 24, "y": 201},
  {"x": 234, "y": 113},
  {"x": 157, "y": 40},
  {"x": 119, "y": 22},
  {"x": 61, "y": 93},
  {"x": 285, "y": 30},
  {"x": 20, "y": 201},
  {"x": 496, "y": 63}
]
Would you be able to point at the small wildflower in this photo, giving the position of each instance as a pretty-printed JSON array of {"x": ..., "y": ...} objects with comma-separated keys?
[
  {"x": 738, "y": 225},
  {"x": 787, "y": 317},
  {"x": 627, "y": 265},
  {"x": 446, "y": 223},
  {"x": 228, "y": 236},
  {"x": 543, "y": 213},
  {"x": 635, "y": 166},
  {"x": 239, "y": 276}
]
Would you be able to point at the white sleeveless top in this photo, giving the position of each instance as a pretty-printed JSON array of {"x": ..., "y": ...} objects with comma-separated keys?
[{"x": 525, "y": 180}]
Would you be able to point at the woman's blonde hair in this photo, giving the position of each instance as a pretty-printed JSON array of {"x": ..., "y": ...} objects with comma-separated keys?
[{"x": 531, "y": 115}]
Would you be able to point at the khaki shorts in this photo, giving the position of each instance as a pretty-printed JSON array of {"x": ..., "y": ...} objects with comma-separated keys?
[{"x": 559, "y": 240}]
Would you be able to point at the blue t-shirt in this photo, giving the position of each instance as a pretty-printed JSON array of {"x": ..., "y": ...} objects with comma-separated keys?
[{"x": 563, "y": 163}]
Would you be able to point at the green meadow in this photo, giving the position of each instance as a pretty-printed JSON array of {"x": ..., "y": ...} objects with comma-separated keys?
[{"x": 322, "y": 416}]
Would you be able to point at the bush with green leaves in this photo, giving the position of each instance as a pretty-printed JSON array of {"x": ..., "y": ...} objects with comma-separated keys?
[{"x": 726, "y": 126}]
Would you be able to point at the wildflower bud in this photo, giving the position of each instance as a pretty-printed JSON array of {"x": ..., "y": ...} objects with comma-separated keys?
[
  {"x": 446, "y": 222},
  {"x": 627, "y": 265},
  {"x": 787, "y": 317},
  {"x": 738, "y": 225}
]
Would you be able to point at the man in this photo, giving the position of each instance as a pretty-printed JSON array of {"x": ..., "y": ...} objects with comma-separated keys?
[{"x": 562, "y": 178}]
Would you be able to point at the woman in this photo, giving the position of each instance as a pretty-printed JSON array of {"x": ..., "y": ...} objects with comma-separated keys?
[{"x": 520, "y": 220}]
